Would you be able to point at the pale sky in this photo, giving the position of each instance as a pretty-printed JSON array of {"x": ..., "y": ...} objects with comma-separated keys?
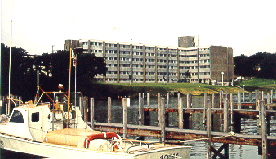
[{"x": 246, "y": 26}]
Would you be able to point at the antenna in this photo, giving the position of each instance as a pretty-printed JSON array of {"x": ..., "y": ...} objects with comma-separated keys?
[
  {"x": 53, "y": 48},
  {"x": 198, "y": 41}
]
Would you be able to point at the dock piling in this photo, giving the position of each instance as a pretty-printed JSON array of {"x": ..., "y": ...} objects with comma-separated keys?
[
  {"x": 264, "y": 130},
  {"x": 148, "y": 100},
  {"x": 92, "y": 112},
  {"x": 162, "y": 122},
  {"x": 109, "y": 105},
  {"x": 85, "y": 108},
  {"x": 239, "y": 100},
  {"x": 189, "y": 100},
  {"x": 141, "y": 110},
  {"x": 204, "y": 107},
  {"x": 250, "y": 97},
  {"x": 225, "y": 116},
  {"x": 180, "y": 112},
  {"x": 231, "y": 111},
  {"x": 209, "y": 122},
  {"x": 124, "y": 103}
]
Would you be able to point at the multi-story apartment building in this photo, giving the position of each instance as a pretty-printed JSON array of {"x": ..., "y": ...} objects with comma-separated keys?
[{"x": 129, "y": 62}]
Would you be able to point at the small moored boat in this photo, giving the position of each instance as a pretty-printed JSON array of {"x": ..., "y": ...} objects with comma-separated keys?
[{"x": 56, "y": 130}]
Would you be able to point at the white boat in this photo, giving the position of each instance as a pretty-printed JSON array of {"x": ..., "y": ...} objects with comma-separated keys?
[{"x": 55, "y": 131}]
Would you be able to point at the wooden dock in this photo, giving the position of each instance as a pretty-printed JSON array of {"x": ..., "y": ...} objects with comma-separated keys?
[
  {"x": 231, "y": 119},
  {"x": 180, "y": 135}
]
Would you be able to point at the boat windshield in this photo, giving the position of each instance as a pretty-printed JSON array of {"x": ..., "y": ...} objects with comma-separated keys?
[{"x": 17, "y": 117}]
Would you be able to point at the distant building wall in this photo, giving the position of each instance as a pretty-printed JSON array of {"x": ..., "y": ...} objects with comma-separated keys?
[
  {"x": 140, "y": 63},
  {"x": 186, "y": 41},
  {"x": 70, "y": 43},
  {"x": 221, "y": 61}
]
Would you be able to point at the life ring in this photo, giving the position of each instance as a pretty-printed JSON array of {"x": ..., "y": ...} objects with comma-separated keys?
[{"x": 104, "y": 135}]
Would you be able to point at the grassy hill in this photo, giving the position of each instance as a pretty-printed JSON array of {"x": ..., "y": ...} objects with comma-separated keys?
[
  {"x": 257, "y": 83},
  {"x": 118, "y": 90}
]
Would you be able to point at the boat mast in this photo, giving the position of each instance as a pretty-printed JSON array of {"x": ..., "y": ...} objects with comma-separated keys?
[
  {"x": 10, "y": 66},
  {"x": 69, "y": 87}
]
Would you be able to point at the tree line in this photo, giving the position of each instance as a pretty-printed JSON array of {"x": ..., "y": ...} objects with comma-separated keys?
[
  {"x": 260, "y": 65},
  {"x": 49, "y": 70}
]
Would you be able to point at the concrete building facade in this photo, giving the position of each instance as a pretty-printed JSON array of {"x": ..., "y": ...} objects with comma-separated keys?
[{"x": 141, "y": 63}]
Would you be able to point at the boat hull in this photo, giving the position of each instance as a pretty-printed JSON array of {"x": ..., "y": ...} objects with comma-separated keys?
[{"x": 15, "y": 144}]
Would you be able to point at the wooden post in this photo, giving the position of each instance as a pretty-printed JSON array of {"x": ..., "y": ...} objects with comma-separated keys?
[
  {"x": 257, "y": 99},
  {"x": 147, "y": 113},
  {"x": 162, "y": 123},
  {"x": 168, "y": 99},
  {"x": 226, "y": 127},
  {"x": 92, "y": 112},
  {"x": 209, "y": 128},
  {"x": 220, "y": 99},
  {"x": 189, "y": 100},
  {"x": 243, "y": 96},
  {"x": 250, "y": 97},
  {"x": 81, "y": 105},
  {"x": 225, "y": 117},
  {"x": 232, "y": 112},
  {"x": 268, "y": 101},
  {"x": 124, "y": 102},
  {"x": 159, "y": 107},
  {"x": 268, "y": 98},
  {"x": 205, "y": 107},
  {"x": 141, "y": 110},
  {"x": 180, "y": 112},
  {"x": 262, "y": 95},
  {"x": 85, "y": 108},
  {"x": 275, "y": 94},
  {"x": 271, "y": 96},
  {"x": 109, "y": 105},
  {"x": 213, "y": 100},
  {"x": 263, "y": 132},
  {"x": 148, "y": 100},
  {"x": 239, "y": 100}
]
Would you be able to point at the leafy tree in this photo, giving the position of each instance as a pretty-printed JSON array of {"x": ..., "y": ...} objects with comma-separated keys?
[
  {"x": 17, "y": 75},
  {"x": 268, "y": 67},
  {"x": 255, "y": 61},
  {"x": 53, "y": 70},
  {"x": 58, "y": 65},
  {"x": 242, "y": 66},
  {"x": 261, "y": 65}
]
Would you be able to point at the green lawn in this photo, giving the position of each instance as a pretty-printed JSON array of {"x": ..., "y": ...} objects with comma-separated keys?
[
  {"x": 184, "y": 88},
  {"x": 257, "y": 83}
]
